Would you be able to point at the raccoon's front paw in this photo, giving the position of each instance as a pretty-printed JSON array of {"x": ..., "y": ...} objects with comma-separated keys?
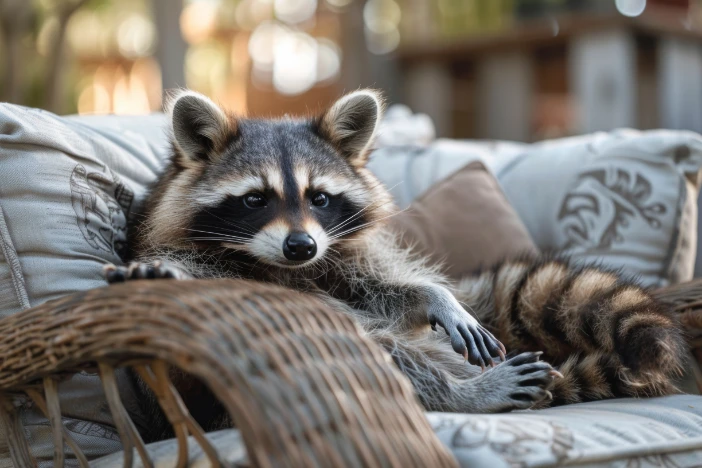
[
  {"x": 137, "y": 271},
  {"x": 468, "y": 337},
  {"x": 524, "y": 381}
]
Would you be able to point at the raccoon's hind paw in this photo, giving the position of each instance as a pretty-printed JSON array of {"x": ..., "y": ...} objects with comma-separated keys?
[
  {"x": 522, "y": 382},
  {"x": 137, "y": 271},
  {"x": 529, "y": 380}
]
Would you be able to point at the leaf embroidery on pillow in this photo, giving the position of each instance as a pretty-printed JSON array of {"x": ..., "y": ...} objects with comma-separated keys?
[
  {"x": 101, "y": 203},
  {"x": 602, "y": 202}
]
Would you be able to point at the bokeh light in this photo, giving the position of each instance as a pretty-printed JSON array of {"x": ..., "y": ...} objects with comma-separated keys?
[
  {"x": 136, "y": 37},
  {"x": 88, "y": 35},
  {"x": 291, "y": 60},
  {"x": 94, "y": 99},
  {"x": 206, "y": 67},
  {"x": 630, "y": 7},
  {"x": 198, "y": 21},
  {"x": 295, "y": 63},
  {"x": 121, "y": 89},
  {"x": 381, "y": 16},
  {"x": 251, "y": 13},
  {"x": 328, "y": 60},
  {"x": 382, "y": 20},
  {"x": 262, "y": 44},
  {"x": 339, "y": 3},
  {"x": 295, "y": 11}
]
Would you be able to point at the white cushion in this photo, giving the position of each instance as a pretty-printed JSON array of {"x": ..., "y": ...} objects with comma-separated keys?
[{"x": 618, "y": 433}]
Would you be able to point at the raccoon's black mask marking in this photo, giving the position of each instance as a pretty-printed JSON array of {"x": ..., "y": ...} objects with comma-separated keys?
[{"x": 234, "y": 221}]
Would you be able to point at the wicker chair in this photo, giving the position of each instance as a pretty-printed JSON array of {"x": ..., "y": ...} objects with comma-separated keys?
[{"x": 303, "y": 387}]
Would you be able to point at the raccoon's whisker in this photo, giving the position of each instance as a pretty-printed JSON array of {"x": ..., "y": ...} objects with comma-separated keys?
[
  {"x": 227, "y": 221},
  {"x": 241, "y": 225},
  {"x": 214, "y": 233},
  {"x": 219, "y": 239},
  {"x": 222, "y": 239},
  {"x": 218, "y": 234},
  {"x": 351, "y": 218},
  {"x": 327, "y": 263},
  {"x": 334, "y": 228},
  {"x": 226, "y": 231},
  {"x": 362, "y": 226},
  {"x": 355, "y": 216},
  {"x": 374, "y": 186}
]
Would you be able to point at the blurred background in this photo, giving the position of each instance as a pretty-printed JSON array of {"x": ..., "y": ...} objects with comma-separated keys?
[{"x": 510, "y": 69}]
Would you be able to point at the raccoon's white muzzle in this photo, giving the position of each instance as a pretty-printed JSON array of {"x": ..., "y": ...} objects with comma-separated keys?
[{"x": 280, "y": 245}]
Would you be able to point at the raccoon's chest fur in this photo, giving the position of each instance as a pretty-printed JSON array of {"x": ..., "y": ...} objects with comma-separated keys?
[{"x": 203, "y": 265}]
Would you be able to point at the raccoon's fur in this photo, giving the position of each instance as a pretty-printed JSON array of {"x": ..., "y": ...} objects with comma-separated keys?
[{"x": 291, "y": 202}]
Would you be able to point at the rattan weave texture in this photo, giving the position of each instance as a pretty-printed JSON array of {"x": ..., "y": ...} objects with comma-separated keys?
[{"x": 302, "y": 385}]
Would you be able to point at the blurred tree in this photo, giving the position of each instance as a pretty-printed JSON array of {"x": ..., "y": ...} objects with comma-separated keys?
[
  {"x": 16, "y": 20},
  {"x": 19, "y": 19},
  {"x": 62, "y": 10}
]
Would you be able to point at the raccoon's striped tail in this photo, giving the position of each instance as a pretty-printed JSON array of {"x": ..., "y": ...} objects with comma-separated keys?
[
  {"x": 610, "y": 337},
  {"x": 599, "y": 376}
]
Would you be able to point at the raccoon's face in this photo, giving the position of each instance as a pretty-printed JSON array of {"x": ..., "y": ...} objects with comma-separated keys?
[{"x": 283, "y": 192}]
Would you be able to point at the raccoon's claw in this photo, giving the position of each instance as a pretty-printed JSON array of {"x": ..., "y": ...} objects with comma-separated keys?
[
  {"x": 535, "y": 378},
  {"x": 137, "y": 271},
  {"x": 113, "y": 273}
]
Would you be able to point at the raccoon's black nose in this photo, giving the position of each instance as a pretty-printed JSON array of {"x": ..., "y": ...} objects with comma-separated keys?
[{"x": 299, "y": 246}]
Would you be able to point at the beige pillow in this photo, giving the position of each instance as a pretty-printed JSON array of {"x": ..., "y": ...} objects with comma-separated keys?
[{"x": 465, "y": 222}]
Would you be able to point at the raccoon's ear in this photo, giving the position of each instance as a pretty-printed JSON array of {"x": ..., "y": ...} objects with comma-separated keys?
[
  {"x": 200, "y": 128},
  {"x": 350, "y": 124}
]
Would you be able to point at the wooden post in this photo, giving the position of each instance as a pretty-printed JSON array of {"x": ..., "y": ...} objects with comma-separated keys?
[
  {"x": 679, "y": 84},
  {"x": 602, "y": 76},
  {"x": 504, "y": 96},
  {"x": 171, "y": 48}
]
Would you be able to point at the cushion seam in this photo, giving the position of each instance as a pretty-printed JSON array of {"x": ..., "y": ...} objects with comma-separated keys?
[
  {"x": 8, "y": 250},
  {"x": 687, "y": 446}
]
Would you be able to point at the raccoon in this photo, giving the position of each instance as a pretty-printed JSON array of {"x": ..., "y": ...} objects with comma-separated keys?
[{"x": 291, "y": 202}]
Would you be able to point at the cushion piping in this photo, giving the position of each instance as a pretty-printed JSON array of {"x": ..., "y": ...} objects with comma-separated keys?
[
  {"x": 673, "y": 246},
  {"x": 632, "y": 452}
]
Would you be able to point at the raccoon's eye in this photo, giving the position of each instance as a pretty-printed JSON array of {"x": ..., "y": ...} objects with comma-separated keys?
[
  {"x": 320, "y": 199},
  {"x": 255, "y": 200}
]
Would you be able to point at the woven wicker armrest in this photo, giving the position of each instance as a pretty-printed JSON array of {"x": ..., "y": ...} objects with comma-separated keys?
[
  {"x": 301, "y": 384},
  {"x": 686, "y": 301}
]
